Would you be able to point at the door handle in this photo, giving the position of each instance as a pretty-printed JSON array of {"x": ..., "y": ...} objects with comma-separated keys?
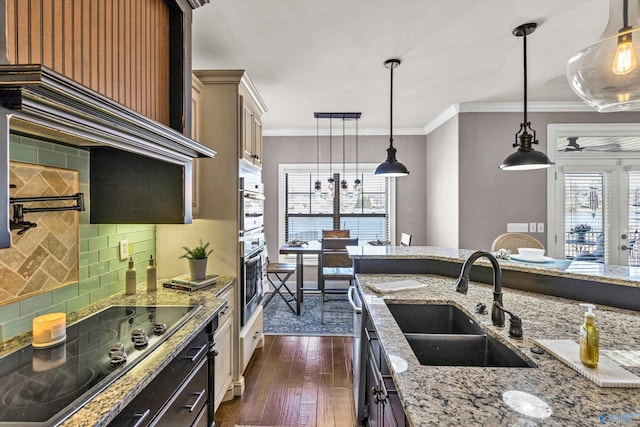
[
  {"x": 623, "y": 236},
  {"x": 356, "y": 309},
  {"x": 624, "y": 248}
]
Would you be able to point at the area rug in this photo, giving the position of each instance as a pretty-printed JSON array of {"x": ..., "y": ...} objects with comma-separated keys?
[{"x": 280, "y": 320}]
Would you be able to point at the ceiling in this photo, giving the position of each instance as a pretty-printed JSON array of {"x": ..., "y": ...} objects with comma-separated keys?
[{"x": 307, "y": 56}]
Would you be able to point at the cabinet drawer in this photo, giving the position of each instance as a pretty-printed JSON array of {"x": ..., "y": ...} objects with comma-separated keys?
[
  {"x": 150, "y": 401},
  {"x": 226, "y": 312},
  {"x": 187, "y": 403},
  {"x": 250, "y": 337}
]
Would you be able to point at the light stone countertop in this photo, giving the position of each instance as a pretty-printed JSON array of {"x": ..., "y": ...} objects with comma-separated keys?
[
  {"x": 604, "y": 273},
  {"x": 438, "y": 395},
  {"x": 101, "y": 409}
]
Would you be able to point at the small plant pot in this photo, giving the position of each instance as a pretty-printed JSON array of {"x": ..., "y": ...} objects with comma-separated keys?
[{"x": 198, "y": 268}]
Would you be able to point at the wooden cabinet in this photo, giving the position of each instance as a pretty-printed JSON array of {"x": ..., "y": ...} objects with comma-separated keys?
[
  {"x": 196, "y": 89},
  {"x": 223, "y": 389},
  {"x": 251, "y": 338},
  {"x": 251, "y": 139},
  {"x": 382, "y": 402}
]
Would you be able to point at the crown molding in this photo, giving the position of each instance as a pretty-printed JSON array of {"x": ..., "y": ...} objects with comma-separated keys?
[{"x": 503, "y": 107}]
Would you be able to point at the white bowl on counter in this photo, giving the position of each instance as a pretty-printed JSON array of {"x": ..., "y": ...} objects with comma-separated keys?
[{"x": 531, "y": 253}]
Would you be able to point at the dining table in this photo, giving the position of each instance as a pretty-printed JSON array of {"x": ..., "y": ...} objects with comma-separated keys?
[{"x": 313, "y": 247}]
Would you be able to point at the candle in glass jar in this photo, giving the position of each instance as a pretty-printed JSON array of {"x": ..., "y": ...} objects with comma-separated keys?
[{"x": 49, "y": 329}]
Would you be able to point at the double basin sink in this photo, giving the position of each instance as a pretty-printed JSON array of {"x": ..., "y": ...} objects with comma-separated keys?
[{"x": 444, "y": 335}]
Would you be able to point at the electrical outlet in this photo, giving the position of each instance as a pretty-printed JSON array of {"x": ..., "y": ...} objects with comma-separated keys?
[
  {"x": 532, "y": 227},
  {"x": 541, "y": 227},
  {"x": 124, "y": 249}
]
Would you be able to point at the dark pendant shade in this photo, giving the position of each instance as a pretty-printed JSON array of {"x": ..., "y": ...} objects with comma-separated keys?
[
  {"x": 391, "y": 167},
  {"x": 525, "y": 158}
]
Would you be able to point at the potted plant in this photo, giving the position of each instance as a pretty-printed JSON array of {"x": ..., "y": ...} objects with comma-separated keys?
[
  {"x": 197, "y": 257},
  {"x": 580, "y": 231}
]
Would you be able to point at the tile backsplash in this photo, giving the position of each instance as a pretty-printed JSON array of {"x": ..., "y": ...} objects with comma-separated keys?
[{"x": 101, "y": 272}]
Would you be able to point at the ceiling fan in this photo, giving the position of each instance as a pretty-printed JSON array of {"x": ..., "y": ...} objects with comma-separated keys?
[{"x": 572, "y": 145}]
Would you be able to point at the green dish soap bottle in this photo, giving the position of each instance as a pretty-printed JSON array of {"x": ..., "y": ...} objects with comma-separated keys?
[{"x": 589, "y": 338}]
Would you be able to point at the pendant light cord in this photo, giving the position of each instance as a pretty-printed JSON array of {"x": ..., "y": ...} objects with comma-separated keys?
[
  {"x": 391, "y": 109},
  {"x": 343, "y": 150},
  {"x": 357, "y": 149},
  {"x": 625, "y": 14},
  {"x": 524, "y": 41},
  {"x": 317, "y": 148}
]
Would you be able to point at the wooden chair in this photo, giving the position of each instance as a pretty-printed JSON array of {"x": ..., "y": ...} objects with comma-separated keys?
[
  {"x": 282, "y": 272},
  {"x": 513, "y": 241},
  {"x": 405, "y": 239},
  {"x": 340, "y": 234},
  {"x": 335, "y": 266}
]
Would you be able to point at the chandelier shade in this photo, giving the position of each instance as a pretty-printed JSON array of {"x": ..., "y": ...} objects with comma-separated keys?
[{"x": 605, "y": 75}]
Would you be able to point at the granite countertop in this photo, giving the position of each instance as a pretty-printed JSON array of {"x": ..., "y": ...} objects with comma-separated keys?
[
  {"x": 604, "y": 273},
  {"x": 108, "y": 403},
  {"x": 439, "y": 395}
]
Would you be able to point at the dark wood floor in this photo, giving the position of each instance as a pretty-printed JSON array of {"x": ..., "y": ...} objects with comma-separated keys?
[{"x": 295, "y": 381}]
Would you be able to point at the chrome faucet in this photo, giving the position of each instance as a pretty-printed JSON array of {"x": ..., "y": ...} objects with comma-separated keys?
[{"x": 462, "y": 284}]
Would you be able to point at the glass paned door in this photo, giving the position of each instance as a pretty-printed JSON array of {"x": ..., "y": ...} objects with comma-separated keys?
[{"x": 600, "y": 221}]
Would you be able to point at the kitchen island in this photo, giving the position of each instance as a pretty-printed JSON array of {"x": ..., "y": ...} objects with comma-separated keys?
[
  {"x": 105, "y": 406},
  {"x": 461, "y": 395},
  {"x": 452, "y": 395}
]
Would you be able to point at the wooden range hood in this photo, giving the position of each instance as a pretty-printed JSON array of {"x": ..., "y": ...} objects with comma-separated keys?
[{"x": 140, "y": 170}]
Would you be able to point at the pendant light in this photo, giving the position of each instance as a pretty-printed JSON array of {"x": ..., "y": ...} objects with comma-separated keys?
[
  {"x": 357, "y": 184},
  {"x": 391, "y": 167},
  {"x": 330, "y": 181},
  {"x": 605, "y": 75},
  {"x": 525, "y": 158},
  {"x": 344, "y": 188},
  {"x": 318, "y": 185}
]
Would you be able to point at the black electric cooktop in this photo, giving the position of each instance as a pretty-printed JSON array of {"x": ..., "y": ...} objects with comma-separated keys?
[{"x": 43, "y": 387}]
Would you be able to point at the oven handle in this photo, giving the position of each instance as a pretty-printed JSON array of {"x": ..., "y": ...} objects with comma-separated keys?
[
  {"x": 350, "y": 293},
  {"x": 255, "y": 196},
  {"x": 254, "y": 256}
]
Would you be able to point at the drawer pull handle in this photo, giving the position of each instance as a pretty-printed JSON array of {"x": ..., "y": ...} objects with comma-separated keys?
[
  {"x": 193, "y": 406},
  {"x": 195, "y": 356},
  {"x": 215, "y": 353},
  {"x": 142, "y": 417},
  {"x": 224, "y": 310}
]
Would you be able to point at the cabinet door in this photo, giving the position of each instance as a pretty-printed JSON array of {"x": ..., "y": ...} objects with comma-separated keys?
[
  {"x": 195, "y": 134},
  {"x": 224, "y": 357},
  {"x": 257, "y": 143},
  {"x": 247, "y": 131}
]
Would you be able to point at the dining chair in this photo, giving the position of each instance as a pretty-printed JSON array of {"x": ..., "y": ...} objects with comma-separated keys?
[
  {"x": 405, "y": 239},
  {"x": 513, "y": 241},
  {"x": 335, "y": 266},
  {"x": 336, "y": 234},
  {"x": 277, "y": 274}
]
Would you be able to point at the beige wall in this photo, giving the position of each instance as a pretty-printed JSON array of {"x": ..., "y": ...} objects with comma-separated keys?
[
  {"x": 410, "y": 201},
  {"x": 490, "y": 198},
  {"x": 442, "y": 185}
]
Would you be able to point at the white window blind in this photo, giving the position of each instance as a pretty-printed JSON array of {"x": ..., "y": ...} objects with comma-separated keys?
[
  {"x": 585, "y": 212},
  {"x": 306, "y": 213}
]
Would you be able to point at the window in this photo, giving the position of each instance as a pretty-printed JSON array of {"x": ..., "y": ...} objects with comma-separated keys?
[{"x": 304, "y": 214}]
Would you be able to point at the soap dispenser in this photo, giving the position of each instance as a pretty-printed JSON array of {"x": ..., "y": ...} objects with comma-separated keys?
[
  {"x": 151, "y": 275},
  {"x": 130, "y": 279},
  {"x": 589, "y": 338}
]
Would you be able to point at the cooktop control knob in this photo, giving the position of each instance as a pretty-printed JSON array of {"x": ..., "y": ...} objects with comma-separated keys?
[
  {"x": 159, "y": 328},
  {"x": 118, "y": 358},
  {"x": 141, "y": 341},
  {"x": 137, "y": 333},
  {"x": 115, "y": 347}
]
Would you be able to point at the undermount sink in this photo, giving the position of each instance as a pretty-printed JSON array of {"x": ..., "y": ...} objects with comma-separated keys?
[
  {"x": 463, "y": 350},
  {"x": 433, "y": 319},
  {"x": 444, "y": 335}
]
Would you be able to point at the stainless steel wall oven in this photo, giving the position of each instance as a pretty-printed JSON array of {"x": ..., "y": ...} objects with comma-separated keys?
[
  {"x": 251, "y": 205},
  {"x": 252, "y": 272}
]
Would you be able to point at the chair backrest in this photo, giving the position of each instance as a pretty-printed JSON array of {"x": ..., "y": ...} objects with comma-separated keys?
[
  {"x": 405, "y": 239},
  {"x": 336, "y": 234},
  {"x": 334, "y": 253},
  {"x": 513, "y": 241}
]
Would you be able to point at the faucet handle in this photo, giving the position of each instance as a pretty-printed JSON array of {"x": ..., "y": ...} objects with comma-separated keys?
[{"x": 515, "y": 323}]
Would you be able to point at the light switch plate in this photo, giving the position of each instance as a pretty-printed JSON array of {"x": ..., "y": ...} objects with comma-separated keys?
[
  {"x": 517, "y": 227},
  {"x": 532, "y": 227},
  {"x": 541, "y": 227},
  {"x": 124, "y": 249}
]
